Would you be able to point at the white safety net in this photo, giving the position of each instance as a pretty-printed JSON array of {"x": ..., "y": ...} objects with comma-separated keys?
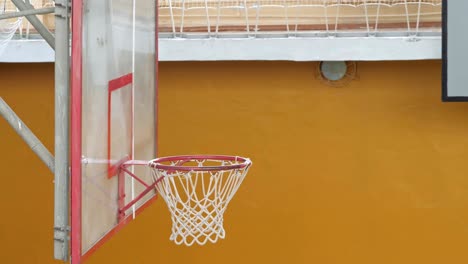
[
  {"x": 251, "y": 18},
  {"x": 8, "y": 27},
  {"x": 180, "y": 18},
  {"x": 25, "y": 29}
]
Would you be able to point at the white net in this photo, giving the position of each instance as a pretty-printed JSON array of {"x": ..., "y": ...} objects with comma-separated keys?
[
  {"x": 20, "y": 27},
  {"x": 249, "y": 18},
  {"x": 197, "y": 199},
  {"x": 8, "y": 27},
  {"x": 25, "y": 28},
  {"x": 218, "y": 17}
]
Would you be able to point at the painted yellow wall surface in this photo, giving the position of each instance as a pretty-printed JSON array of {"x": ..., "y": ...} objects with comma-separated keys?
[{"x": 374, "y": 172}]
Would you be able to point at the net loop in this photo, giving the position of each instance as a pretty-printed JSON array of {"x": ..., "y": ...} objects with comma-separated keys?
[{"x": 197, "y": 191}]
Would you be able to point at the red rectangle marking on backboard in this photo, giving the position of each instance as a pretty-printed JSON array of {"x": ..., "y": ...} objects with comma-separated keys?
[
  {"x": 115, "y": 85},
  {"x": 120, "y": 82}
]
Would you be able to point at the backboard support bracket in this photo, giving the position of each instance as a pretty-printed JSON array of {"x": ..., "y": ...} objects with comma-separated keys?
[
  {"x": 148, "y": 187},
  {"x": 61, "y": 234}
]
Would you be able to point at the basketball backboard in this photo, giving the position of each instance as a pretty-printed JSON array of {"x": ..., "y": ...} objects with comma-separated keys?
[
  {"x": 455, "y": 55},
  {"x": 114, "y": 64}
]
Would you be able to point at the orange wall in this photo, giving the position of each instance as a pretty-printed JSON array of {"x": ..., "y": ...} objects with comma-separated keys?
[
  {"x": 26, "y": 196},
  {"x": 370, "y": 173}
]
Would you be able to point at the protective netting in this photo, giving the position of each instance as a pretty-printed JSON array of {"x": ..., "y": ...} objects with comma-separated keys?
[
  {"x": 218, "y": 17},
  {"x": 8, "y": 27},
  {"x": 25, "y": 29},
  {"x": 197, "y": 192},
  {"x": 180, "y": 18}
]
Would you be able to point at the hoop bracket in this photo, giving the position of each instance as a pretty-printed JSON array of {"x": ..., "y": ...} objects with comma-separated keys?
[{"x": 148, "y": 187}]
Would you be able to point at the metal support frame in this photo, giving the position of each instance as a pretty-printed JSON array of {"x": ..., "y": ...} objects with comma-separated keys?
[
  {"x": 41, "y": 11},
  {"x": 27, "y": 135},
  {"x": 41, "y": 29},
  {"x": 62, "y": 130}
]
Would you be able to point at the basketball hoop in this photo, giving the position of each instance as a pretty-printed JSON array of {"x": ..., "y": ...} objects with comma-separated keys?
[{"x": 197, "y": 190}]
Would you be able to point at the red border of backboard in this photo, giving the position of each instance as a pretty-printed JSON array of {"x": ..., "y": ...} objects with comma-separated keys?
[
  {"x": 76, "y": 135},
  {"x": 76, "y": 100}
]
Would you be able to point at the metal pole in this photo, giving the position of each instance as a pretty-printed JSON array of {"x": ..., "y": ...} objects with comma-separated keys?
[
  {"x": 41, "y": 11},
  {"x": 26, "y": 134},
  {"x": 45, "y": 33},
  {"x": 62, "y": 123}
]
